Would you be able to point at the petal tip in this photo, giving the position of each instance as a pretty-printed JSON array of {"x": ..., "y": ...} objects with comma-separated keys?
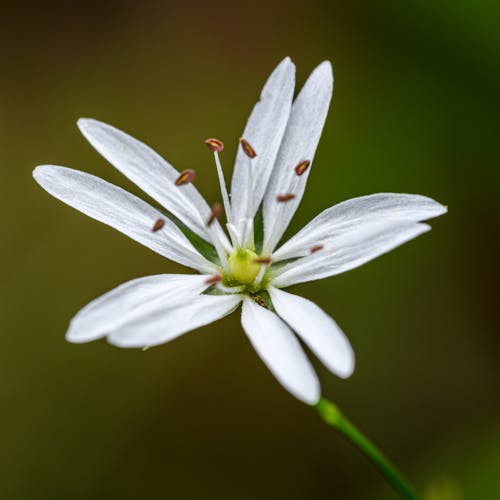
[
  {"x": 83, "y": 122},
  {"x": 424, "y": 228},
  {"x": 347, "y": 370},
  {"x": 287, "y": 61},
  {"x": 312, "y": 397},
  {"x": 325, "y": 67},
  {"x": 87, "y": 124},
  {"x": 324, "y": 74},
  {"x": 74, "y": 338},
  {"x": 38, "y": 171},
  {"x": 285, "y": 67}
]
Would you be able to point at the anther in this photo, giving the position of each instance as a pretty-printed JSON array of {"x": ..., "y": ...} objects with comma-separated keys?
[
  {"x": 316, "y": 248},
  {"x": 249, "y": 151},
  {"x": 158, "y": 225},
  {"x": 302, "y": 167},
  {"x": 263, "y": 260},
  {"x": 257, "y": 298},
  {"x": 216, "y": 213},
  {"x": 186, "y": 177},
  {"x": 214, "y": 145},
  {"x": 216, "y": 278},
  {"x": 285, "y": 197}
]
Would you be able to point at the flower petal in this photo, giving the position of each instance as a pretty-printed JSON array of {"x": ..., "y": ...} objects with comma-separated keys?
[
  {"x": 154, "y": 175},
  {"x": 264, "y": 131},
  {"x": 350, "y": 251},
  {"x": 299, "y": 144},
  {"x": 346, "y": 217},
  {"x": 281, "y": 351},
  {"x": 131, "y": 300},
  {"x": 123, "y": 211},
  {"x": 318, "y": 330},
  {"x": 163, "y": 325}
]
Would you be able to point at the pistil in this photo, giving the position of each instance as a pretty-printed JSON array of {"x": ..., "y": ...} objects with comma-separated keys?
[{"x": 243, "y": 267}]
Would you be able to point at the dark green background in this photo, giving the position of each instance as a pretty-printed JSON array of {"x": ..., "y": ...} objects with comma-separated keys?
[{"x": 415, "y": 109}]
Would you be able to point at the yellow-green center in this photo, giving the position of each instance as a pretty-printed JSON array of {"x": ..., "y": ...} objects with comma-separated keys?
[{"x": 243, "y": 267}]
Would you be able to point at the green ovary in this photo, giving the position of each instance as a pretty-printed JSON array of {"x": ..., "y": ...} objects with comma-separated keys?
[{"x": 242, "y": 266}]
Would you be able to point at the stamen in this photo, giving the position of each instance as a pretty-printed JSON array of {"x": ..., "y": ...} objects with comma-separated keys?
[
  {"x": 216, "y": 213},
  {"x": 158, "y": 225},
  {"x": 214, "y": 145},
  {"x": 316, "y": 248},
  {"x": 216, "y": 278},
  {"x": 249, "y": 151},
  {"x": 285, "y": 197},
  {"x": 302, "y": 167},
  {"x": 247, "y": 233},
  {"x": 263, "y": 260},
  {"x": 186, "y": 177}
]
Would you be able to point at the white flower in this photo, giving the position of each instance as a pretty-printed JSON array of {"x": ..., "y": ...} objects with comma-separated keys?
[{"x": 270, "y": 174}]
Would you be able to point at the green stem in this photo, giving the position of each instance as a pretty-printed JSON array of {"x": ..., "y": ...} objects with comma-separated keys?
[{"x": 333, "y": 417}]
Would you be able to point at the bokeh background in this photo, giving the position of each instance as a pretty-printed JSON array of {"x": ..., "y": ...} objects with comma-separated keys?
[{"x": 415, "y": 109}]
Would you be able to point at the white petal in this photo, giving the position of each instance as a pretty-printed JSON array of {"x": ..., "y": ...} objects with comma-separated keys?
[
  {"x": 350, "y": 251},
  {"x": 131, "y": 300},
  {"x": 318, "y": 330},
  {"x": 123, "y": 211},
  {"x": 264, "y": 131},
  {"x": 346, "y": 217},
  {"x": 154, "y": 175},
  {"x": 300, "y": 141},
  {"x": 281, "y": 351},
  {"x": 163, "y": 325}
]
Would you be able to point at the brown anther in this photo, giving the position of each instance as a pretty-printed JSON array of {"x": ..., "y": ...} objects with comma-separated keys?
[
  {"x": 186, "y": 177},
  {"x": 302, "y": 167},
  {"x": 216, "y": 278},
  {"x": 316, "y": 248},
  {"x": 249, "y": 151},
  {"x": 216, "y": 213},
  {"x": 285, "y": 197},
  {"x": 158, "y": 225},
  {"x": 259, "y": 300},
  {"x": 214, "y": 145},
  {"x": 263, "y": 260}
]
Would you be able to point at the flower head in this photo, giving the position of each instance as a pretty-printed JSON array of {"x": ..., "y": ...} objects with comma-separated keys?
[{"x": 273, "y": 163}]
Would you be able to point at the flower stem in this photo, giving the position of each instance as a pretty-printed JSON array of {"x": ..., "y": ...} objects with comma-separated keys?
[{"x": 332, "y": 416}]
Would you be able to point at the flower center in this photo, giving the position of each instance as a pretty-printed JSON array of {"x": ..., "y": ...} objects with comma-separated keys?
[{"x": 243, "y": 267}]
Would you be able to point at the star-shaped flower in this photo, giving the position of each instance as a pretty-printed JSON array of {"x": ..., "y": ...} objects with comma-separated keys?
[{"x": 269, "y": 178}]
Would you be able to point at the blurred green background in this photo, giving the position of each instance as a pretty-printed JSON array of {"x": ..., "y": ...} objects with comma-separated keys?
[{"x": 415, "y": 109}]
